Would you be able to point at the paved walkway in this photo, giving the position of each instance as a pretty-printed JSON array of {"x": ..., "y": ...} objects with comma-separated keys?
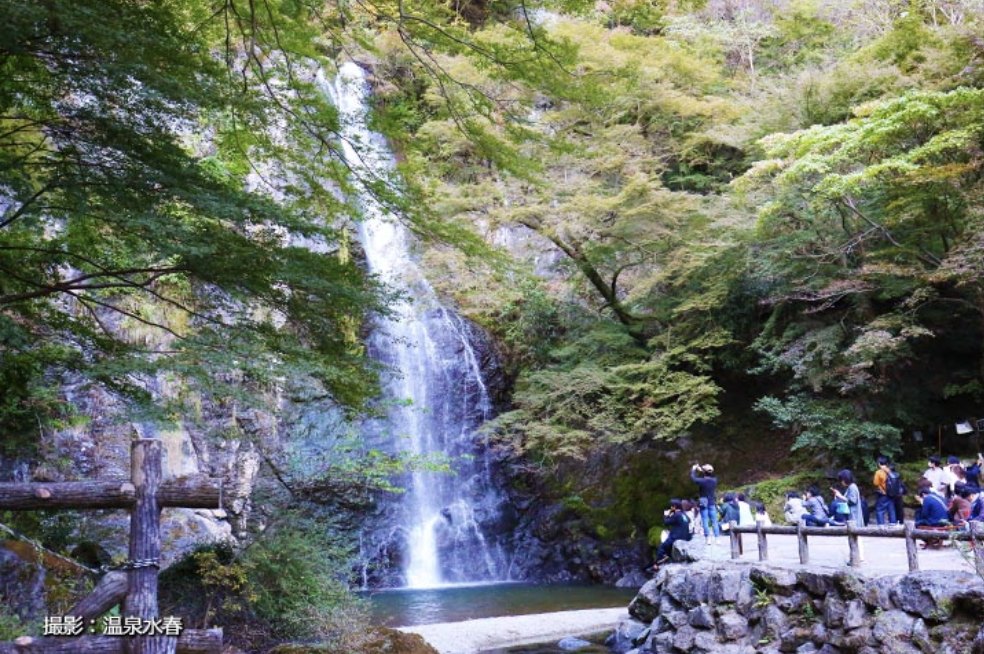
[{"x": 879, "y": 555}]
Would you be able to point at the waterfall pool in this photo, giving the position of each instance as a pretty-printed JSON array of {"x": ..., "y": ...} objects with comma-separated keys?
[
  {"x": 454, "y": 603},
  {"x": 597, "y": 647}
]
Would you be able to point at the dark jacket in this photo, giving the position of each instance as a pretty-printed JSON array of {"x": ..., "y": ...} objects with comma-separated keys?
[
  {"x": 706, "y": 487},
  {"x": 679, "y": 525},
  {"x": 933, "y": 511},
  {"x": 977, "y": 510},
  {"x": 730, "y": 513}
]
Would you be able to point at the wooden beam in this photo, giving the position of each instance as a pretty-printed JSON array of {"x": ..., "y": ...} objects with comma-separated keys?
[
  {"x": 110, "y": 591},
  {"x": 198, "y": 492},
  {"x": 191, "y": 641}
]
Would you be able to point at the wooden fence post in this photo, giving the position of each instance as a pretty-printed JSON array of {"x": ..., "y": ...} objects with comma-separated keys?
[
  {"x": 763, "y": 544},
  {"x": 911, "y": 549},
  {"x": 735, "y": 540},
  {"x": 853, "y": 545},
  {"x": 804, "y": 551},
  {"x": 976, "y": 548},
  {"x": 143, "y": 495},
  {"x": 145, "y": 546}
]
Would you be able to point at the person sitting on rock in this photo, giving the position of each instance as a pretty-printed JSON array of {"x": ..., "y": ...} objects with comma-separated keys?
[
  {"x": 762, "y": 516},
  {"x": 959, "y": 512},
  {"x": 745, "y": 513},
  {"x": 676, "y": 519},
  {"x": 976, "y": 504},
  {"x": 840, "y": 512},
  {"x": 817, "y": 514},
  {"x": 690, "y": 508},
  {"x": 933, "y": 512},
  {"x": 794, "y": 509},
  {"x": 730, "y": 512}
]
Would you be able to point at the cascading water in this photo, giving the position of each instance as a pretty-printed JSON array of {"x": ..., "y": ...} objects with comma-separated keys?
[{"x": 437, "y": 383}]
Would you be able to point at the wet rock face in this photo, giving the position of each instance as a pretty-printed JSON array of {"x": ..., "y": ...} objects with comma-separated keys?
[
  {"x": 98, "y": 448},
  {"x": 684, "y": 609}
]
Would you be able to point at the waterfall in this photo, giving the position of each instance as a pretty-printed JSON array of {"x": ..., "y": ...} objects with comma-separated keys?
[{"x": 438, "y": 394}]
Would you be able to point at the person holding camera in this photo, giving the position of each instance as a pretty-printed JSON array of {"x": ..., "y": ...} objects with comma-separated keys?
[
  {"x": 707, "y": 483},
  {"x": 676, "y": 520}
]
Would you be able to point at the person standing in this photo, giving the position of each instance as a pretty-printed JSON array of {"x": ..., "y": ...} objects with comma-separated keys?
[
  {"x": 850, "y": 494},
  {"x": 707, "y": 483},
  {"x": 937, "y": 476},
  {"x": 898, "y": 498},
  {"x": 884, "y": 505},
  {"x": 974, "y": 472}
]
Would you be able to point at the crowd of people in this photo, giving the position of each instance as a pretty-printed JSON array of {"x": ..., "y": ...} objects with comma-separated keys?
[{"x": 946, "y": 496}]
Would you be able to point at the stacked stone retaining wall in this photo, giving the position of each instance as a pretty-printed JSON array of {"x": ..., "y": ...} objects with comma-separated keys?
[{"x": 744, "y": 608}]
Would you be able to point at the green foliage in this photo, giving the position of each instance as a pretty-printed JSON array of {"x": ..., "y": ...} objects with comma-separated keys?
[
  {"x": 283, "y": 586},
  {"x": 11, "y": 625},
  {"x": 904, "y": 45},
  {"x": 114, "y": 213},
  {"x": 772, "y": 492},
  {"x": 832, "y": 430},
  {"x": 296, "y": 584},
  {"x": 645, "y": 17},
  {"x": 801, "y": 37}
]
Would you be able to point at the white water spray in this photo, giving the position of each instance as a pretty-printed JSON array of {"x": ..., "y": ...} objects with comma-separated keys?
[{"x": 437, "y": 379}]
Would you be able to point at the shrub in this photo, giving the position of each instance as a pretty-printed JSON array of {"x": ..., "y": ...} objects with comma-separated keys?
[{"x": 284, "y": 586}]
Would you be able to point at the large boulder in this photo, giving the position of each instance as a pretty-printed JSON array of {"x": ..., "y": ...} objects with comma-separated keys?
[
  {"x": 930, "y": 594},
  {"x": 645, "y": 605}
]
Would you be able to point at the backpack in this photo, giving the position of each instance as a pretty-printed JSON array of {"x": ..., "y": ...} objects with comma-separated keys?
[{"x": 894, "y": 486}]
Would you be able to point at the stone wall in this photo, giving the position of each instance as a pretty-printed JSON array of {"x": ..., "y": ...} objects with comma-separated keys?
[{"x": 745, "y": 608}]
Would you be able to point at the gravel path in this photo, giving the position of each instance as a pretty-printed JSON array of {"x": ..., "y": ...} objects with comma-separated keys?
[{"x": 473, "y": 636}]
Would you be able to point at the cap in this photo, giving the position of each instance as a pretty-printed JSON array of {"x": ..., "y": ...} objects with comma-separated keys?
[
  {"x": 953, "y": 459},
  {"x": 707, "y": 467}
]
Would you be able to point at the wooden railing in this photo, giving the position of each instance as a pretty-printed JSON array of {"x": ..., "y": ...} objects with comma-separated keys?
[
  {"x": 144, "y": 494},
  {"x": 908, "y": 531}
]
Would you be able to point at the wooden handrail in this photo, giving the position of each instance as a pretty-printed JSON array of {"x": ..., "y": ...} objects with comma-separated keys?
[
  {"x": 908, "y": 531},
  {"x": 197, "y": 492}
]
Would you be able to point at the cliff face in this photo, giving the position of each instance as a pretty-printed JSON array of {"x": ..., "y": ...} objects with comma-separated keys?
[
  {"x": 734, "y": 608},
  {"x": 97, "y": 447}
]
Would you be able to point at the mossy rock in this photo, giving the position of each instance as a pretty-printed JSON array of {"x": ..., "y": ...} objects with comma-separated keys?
[{"x": 381, "y": 640}]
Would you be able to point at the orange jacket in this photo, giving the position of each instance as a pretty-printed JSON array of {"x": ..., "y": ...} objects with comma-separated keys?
[{"x": 881, "y": 477}]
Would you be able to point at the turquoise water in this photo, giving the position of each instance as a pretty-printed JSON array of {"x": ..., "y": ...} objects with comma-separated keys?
[{"x": 404, "y": 607}]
